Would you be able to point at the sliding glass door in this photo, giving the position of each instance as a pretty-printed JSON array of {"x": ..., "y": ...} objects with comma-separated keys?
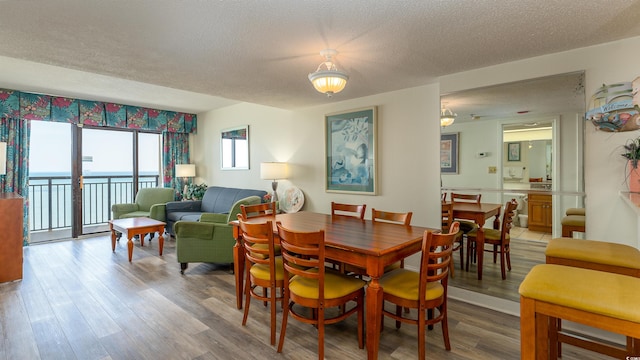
[{"x": 77, "y": 173}]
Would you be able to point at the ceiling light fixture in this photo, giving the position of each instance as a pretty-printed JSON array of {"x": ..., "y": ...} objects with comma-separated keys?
[
  {"x": 327, "y": 79},
  {"x": 447, "y": 117}
]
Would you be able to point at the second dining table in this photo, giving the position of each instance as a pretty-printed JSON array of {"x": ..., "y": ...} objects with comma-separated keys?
[
  {"x": 478, "y": 213},
  {"x": 363, "y": 243}
]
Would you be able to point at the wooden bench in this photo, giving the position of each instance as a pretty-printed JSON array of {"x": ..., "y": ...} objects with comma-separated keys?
[
  {"x": 593, "y": 298},
  {"x": 571, "y": 223}
]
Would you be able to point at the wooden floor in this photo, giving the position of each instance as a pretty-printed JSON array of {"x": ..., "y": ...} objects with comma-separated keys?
[
  {"x": 78, "y": 300},
  {"x": 527, "y": 250}
]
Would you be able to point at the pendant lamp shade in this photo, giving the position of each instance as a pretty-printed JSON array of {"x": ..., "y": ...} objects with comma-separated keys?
[{"x": 327, "y": 79}]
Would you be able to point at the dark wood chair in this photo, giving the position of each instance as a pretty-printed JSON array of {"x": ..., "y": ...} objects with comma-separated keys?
[
  {"x": 263, "y": 209},
  {"x": 498, "y": 239},
  {"x": 458, "y": 242},
  {"x": 465, "y": 225},
  {"x": 307, "y": 284},
  {"x": 264, "y": 269},
  {"x": 338, "y": 209},
  {"x": 425, "y": 291}
]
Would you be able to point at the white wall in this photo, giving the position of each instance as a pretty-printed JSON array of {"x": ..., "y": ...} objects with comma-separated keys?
[{"x": 408, "y": 136}]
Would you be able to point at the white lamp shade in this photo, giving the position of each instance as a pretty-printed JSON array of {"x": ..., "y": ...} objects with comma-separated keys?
[
  {"x": 3, "y": 158},
  {"x": 186, "y": 170},
  {"x": 274, "y": 170}
]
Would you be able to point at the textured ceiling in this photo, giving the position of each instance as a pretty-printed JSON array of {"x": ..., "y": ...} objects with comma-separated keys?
[{"x": 261, "y": 51}]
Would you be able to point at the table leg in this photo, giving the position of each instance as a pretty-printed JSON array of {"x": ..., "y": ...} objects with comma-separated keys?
[
  {"x": 374, "y": 314},
  {"x": 130, "y": 246},
  {"x": 238, "y": 268},
  {"x": 113, "y": 238},
  {"x": 160, "y": 241}
]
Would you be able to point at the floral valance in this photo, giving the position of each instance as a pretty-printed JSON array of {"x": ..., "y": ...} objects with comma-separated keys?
[{"x": 22, "y": 105}]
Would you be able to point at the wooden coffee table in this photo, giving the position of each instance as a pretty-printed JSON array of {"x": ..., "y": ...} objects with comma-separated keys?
[{"x": 131, "y": 227}]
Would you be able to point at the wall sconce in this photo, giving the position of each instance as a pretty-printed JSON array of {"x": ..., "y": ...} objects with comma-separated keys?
[
  {"x": 3, "y": 158},
  {"x": 274, "y": 171},
  {"x": 185, "y": 171}
]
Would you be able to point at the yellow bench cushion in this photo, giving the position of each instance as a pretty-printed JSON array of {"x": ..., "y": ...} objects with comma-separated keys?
[
  {"x": 599, "y": 252},
  {"x": 575, "y": 211},
  {"x": 573, "y": 220},
  {"x": 592, "y": 291}
]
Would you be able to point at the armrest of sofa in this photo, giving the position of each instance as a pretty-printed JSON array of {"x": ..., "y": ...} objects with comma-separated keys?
[
  {"x": 214, "y": 218},
  {"x": 235, "y": 209},
  {"x": 191, "y": 205},
  {"x": 158, "y": 212},
  {"x": 120, "y": 209}
]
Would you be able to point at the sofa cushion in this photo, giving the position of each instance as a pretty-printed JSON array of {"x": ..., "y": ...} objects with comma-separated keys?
[
  {"x": 183, "y": 215},
  {"x": 220, "y": 199}
]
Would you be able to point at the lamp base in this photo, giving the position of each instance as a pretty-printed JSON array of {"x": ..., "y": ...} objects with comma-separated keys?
[{"x": 274, "y": 196}]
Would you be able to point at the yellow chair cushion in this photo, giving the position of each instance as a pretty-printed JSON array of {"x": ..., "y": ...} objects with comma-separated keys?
[
  {"x": 261, "y": 271},
  {"x": 599, "y": 252},
  {"x": 592, "y": 291},
  {"x": 575, "y": 211},
  {"x": 489, "y": 234},
  {"x": 404, "y": 283},
  {"x": 573, "y": 220},
  {"x": 335, "y": 285}
]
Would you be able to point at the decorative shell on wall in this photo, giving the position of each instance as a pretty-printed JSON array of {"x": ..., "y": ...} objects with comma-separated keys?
[{"x": 615, "y": 107}]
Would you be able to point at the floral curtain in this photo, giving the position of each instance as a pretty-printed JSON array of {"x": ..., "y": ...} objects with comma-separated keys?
[
  {"x": 15, "y": 133},
  {"x": 175, "y": 150}
]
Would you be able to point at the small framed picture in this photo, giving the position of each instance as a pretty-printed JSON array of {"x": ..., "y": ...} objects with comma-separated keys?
[
  {"x": 513, "y": 151},
  {"x": 449, "y": 153}
]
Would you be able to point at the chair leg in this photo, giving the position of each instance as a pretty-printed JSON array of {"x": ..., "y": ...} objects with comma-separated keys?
[
  {"x": 452, "y": 269},
  {"x": 462, "y": 253},
  {"x": 421, "y": 334},
  {"x": 398, "y": 313},
  {"x": 273, "y": 315},
  {"x": 502, "y": 262},
  {"x": 445, "y": 326},
  {"x": 508, "y": 252},
  {"x": 247, "y": 298},
  {"x": 183, "y": 267},
  {"x": 283, "y": 328},
  {"x": 264, "y": 294},
  {"x": 321, "y": 333}
]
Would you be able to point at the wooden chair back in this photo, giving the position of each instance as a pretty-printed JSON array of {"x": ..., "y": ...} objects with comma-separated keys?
[
  {"x": 264, "y": 209},
  {"x": 436, "y": 259},
  {"x": 507, "y": 218},
  {"x": 391, "y": 217},
  {"x": 470, "y": 198},
  {"x": 338, "y": 209},
  {"x": 258, "y": 243},
  {"x": 447, "y": 215},
  {"x": 443, "y": 196}
]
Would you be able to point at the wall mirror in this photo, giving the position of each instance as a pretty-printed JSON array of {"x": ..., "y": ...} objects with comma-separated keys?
[
  {"x": 516, "y": 139},
  {"x": 234, "y": 148}
]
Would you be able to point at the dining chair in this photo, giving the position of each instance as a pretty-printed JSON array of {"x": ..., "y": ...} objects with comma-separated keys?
[
  {"x": 388, "y": 217},
  {"x": 338, "y": 209},
  {"x": 307, "y": 284},
  {"x": 458, "y": 242},
  {"x": 264, "y": 269},
  {"x": 499, "y": 239},
  {"x": 466, "y": 225},
  {"x": 426, "y": 290},
  {"x": 262, "y": 209},
  {"x": 443, "y": 196}
]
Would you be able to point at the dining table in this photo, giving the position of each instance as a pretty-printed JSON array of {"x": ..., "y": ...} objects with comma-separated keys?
[
  {"x": 350, "y": 240},
  {"x": 478, "y": 213}
]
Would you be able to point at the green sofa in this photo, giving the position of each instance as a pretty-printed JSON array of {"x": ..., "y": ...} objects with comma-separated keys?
[{"x": 210, "y": 239}]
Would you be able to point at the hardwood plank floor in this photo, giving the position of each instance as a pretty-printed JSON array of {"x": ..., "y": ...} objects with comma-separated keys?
[{"x": 78, "y": 300}]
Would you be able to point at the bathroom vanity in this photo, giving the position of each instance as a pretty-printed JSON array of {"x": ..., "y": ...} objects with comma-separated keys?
[{"x": 540, "y": 212}]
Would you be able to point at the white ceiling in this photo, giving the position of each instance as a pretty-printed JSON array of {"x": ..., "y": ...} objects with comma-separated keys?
[{"x": 261, "y": 51}]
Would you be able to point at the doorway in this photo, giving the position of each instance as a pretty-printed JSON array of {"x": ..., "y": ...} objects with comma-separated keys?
[{"x": 77, "y": 173}]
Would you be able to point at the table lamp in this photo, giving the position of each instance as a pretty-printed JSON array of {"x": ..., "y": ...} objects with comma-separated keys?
[
  {"x": 185, "y": 171},
  {"x": 274, "y": 171},
  {"x": 3, "y": 158}
]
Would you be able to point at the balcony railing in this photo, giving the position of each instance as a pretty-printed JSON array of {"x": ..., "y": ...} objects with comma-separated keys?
[{"x": 50, "y": 200}]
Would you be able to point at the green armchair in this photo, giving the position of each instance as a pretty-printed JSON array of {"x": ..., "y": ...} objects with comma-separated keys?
[
  {"x": 209, "y": 240},
  {"x": 149, "y": 202}
]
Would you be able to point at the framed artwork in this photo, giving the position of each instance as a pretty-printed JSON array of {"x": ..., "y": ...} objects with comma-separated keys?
[
  {"x": 513, "y": 151},
  {"x": 234, "y": 148},
  {"x": 350, "y": 149},
  {"x": 449, "y": 153}
]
